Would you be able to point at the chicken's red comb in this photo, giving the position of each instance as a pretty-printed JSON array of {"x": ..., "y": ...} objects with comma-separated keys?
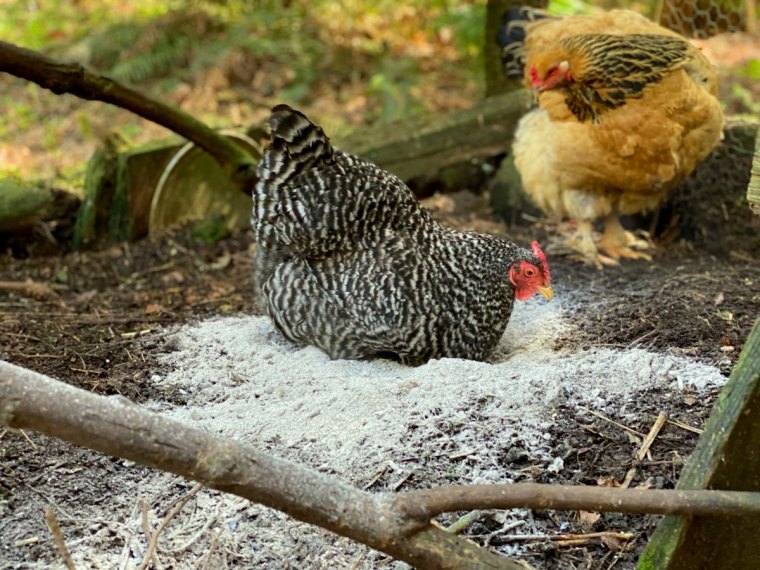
[
  {"x": 542, "y": 258},
  {"x": 535, "y": 80}
]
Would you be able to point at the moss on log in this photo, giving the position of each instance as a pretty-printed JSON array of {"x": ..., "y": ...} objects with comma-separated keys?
[
  {"x": 727, "y": 457},
  {"x": 23, "y": 204}
]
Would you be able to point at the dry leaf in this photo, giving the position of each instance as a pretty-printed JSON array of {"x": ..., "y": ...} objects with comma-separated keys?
[
  {"x": 153, "y": 309},
  {"x": 608, "y": 482},
  {"x": 589, "y": 517},
  {"x": 173, "y": 278},
  {"x": 613, "y": 543},
  {"x": 222, "y": 262},
  {"x": 648, "y": 484},
  {"x": 690, "y": 400}
]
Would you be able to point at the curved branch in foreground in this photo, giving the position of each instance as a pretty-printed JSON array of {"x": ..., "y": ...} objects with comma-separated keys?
[
  {"x": 73, "y": 78},
  {"x": 115, "y": 426},
  {"x": 397, "y": 524}
]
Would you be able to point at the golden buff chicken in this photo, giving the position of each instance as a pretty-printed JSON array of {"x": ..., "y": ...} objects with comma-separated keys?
[{"x": 626, "y": 110}]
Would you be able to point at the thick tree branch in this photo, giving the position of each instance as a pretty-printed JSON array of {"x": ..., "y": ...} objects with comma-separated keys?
[
  {"x": 115, "y": 426},
  {"x": 398, "y": 525},
  {"x": 74, "y": 79}
]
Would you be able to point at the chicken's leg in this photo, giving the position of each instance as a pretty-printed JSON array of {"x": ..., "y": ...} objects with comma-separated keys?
[
  {"x": 582, "y": 241},
  {"x": 617, "y": 242}
]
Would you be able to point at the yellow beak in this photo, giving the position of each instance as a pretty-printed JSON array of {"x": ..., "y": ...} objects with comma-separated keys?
[{"x": 547, "y": 292}]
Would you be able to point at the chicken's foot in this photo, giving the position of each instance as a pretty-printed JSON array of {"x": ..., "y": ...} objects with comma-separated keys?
[
  {"x": 617, "y": 242},
  {"x": 584, "y": 248}
]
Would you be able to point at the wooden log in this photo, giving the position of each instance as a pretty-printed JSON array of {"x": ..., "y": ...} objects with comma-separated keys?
[
  {"x": 132, "y": 192},
  {"x": 421, "y": 146},
  {"x": 727, "y": 457},
  {"x": 23, "y": 204}
]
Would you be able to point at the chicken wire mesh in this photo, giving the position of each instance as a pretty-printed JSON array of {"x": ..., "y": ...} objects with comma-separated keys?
[{"x": 704, "y": 18}]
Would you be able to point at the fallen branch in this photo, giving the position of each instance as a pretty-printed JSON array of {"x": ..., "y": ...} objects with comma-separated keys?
[
  {"x": 397, "y": 524},
  {"x": 73, "y": 78},
  {"x": 115, "y": 426},
  {"x": 32, "y": 289}
]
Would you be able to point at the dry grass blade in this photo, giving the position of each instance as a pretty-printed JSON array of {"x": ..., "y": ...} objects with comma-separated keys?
[
  {"x": 148, "y": 533},
  {"x": 164, "y": 523},
  {"x": 613, "y": 422},
  {"x": 686, "y": 427},
  {"x": 568, "y": 538},
  {"x": 465, "y": 521},
  {"x": 60, "y": 543},
  {"x": 645, "y": 445}
]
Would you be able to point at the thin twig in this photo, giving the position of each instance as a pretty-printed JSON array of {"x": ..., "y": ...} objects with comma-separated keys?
[
  {"x": 357, "y": 561},
  {"x": 505, "y": 528},
  {"x": 687, "y": 427},
  {"x": 146, "y": 529},
  {"x": 613, "y": 422},
  {"x": 465, "y": 521},
  {"x": 34, "y": 445},
  {"x": 567, "y": 537},
  {"x": 425, "y": 504},
  {"x": 642, "y": 337},
  {"x": 35, "y": 290},
  {"x": 652, "y": 435},
  {"x": 211, "y": 549},
  {"x": 164, "y": 523},
  {"x": 60, "y": 542},
  {"x": 645, "y": 445},
  {"x": 398, "y": 484}
]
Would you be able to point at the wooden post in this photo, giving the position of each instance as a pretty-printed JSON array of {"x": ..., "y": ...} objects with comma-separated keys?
[
  {"x": 727, "y": 457},
  {"x": 496, "y": 81},
  {"x": 507, "y": 196},
  {"x": 753, "y": 189}
]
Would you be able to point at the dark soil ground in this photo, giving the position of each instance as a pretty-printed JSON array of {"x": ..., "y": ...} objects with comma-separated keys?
[{"x": 98, "y": 320}]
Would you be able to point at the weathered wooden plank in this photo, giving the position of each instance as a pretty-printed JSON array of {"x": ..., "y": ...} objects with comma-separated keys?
[
  {"x": 422, "y": 145},
  {"x": 753, "y": 190},
  {"x": 727, "y": 457}
]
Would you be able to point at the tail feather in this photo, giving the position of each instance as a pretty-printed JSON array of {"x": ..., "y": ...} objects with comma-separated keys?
[
  {"x": 297, "y": 145},
  {"x": 511, "y": 38}
]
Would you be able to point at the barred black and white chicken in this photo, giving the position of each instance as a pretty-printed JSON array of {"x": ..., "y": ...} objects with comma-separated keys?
[{"x": 348, "y": 260}]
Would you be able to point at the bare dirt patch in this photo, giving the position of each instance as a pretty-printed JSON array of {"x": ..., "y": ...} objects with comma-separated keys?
[{"x": 111, "y": 327}]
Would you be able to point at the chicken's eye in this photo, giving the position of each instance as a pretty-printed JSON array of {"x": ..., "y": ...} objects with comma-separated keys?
[{"x": 530, "y": 272}]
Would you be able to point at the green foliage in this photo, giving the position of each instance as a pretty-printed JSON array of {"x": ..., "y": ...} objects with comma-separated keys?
[
  {"x": 751, "y": 70},
  {"x": 211, "y": 229}
]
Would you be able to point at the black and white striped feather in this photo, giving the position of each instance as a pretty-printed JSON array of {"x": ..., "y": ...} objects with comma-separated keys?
[{"x": 347, "y": 259}]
